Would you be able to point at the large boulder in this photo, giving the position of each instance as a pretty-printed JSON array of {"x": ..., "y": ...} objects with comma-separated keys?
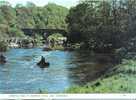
[{"x": 27, "y": 43}]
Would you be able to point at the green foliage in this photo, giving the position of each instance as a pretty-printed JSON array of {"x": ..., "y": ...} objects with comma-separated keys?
[
  {"x": 56, "y": 16},
  {"x": 53, "y": 41},
  {"x": 12, "y": 20},
  {"x": 57, "y": 47},
  {"x": 102, "y": 24},
  {"x": 55, "y": 37},
  {"x": 38, "y": 40},
  {"x": 4, "y": 3},
  {"x": 14, "y": 32},
  {"x": 121, "y": 80},
  {"x": 75, "y": 22},
  {"x": 3, "y": 46}
]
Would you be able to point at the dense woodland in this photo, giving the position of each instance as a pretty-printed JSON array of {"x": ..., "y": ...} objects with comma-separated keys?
[
  {"x": 13, "y": 19},
  {"x": 103, "y": 24},
  {"x": 95, "y": 24}
]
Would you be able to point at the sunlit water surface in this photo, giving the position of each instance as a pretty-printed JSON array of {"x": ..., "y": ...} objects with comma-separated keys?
[{"x": 21, "y": 74}]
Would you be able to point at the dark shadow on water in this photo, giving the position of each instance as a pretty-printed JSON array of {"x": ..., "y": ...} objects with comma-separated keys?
[{"x": 90, "y": 66}]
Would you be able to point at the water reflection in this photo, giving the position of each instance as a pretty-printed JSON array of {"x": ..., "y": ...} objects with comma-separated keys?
[
  {"x": 22, "y": 75},
  {"x": 90, "y": 66}
]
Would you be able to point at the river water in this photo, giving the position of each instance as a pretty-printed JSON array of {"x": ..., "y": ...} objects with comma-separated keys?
[{"x": 67, "y": 68}]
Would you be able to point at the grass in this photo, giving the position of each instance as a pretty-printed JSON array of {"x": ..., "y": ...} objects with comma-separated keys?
[{"x": 121, "y": 79}]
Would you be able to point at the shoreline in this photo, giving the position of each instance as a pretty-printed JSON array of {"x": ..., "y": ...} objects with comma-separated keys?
[{"x": 120, "y": 80}]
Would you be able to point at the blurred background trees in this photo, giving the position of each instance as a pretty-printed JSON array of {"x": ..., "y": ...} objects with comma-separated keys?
[
  {"x": 13, "y": 19},
  {"x": 98, "y": 24},
  {"x": 101, "y": 24}
]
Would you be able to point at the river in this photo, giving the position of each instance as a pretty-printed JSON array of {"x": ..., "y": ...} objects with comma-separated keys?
[{"x": 67, "y": 68}]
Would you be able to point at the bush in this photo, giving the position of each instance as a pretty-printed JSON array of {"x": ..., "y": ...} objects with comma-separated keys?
[
  {"x": 55, "y": 36},
  {"x": 3, "y": 46},
  {"x": 38, "y": 40},
  {"x": 16, "y": 32}
]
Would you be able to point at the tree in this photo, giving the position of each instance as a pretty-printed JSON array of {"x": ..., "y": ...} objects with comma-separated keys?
[
  {"x": 13, "y": 19},
  {"x": 76, "y": 22},
  {"x": 102, "y": 24}
]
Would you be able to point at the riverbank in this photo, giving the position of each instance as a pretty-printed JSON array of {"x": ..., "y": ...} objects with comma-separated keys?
[
  {"x": 120, "y": 80},
  {"x": 20, "y": 42}
]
